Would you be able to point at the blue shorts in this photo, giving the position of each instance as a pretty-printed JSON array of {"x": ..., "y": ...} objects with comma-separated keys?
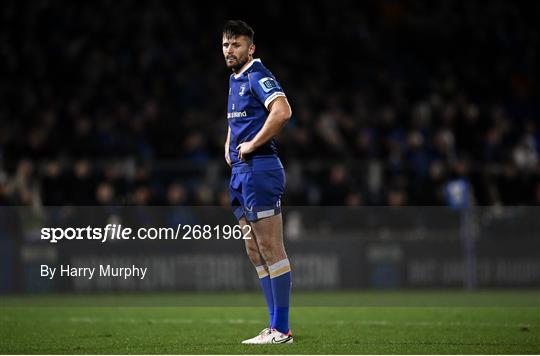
[{"x": 257, "y": 195}]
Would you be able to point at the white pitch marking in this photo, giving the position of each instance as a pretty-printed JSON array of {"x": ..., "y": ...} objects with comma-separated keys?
[{"x": 254, "y": 321}]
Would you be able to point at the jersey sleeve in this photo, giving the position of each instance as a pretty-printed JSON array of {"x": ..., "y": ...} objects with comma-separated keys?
[{"x": 265, "y": 87}]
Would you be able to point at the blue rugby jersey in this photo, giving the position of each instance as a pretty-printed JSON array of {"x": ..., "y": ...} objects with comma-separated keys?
[{"x": 250, "y": 93}]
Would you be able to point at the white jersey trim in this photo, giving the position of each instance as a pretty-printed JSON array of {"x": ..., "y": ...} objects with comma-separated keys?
[
  {"x": 272, "y": 97},
  {"x": 237, "y": 75}
]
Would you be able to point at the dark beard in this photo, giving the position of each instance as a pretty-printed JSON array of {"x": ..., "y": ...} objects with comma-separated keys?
[{"x": 240, "y": 64}]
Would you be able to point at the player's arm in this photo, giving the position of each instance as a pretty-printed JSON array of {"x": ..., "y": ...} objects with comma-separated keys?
[
  {"x": 280, "y": 113},
  {"x": 227, "y": 141}
]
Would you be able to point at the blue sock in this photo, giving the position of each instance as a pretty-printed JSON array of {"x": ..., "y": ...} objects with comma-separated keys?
[
  {"x": 264, "y": 280},
  {"x": 280, "y": 277}
]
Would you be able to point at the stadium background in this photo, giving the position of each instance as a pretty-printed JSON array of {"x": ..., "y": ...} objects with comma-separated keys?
[
  {"x": 413, "y": 175},
  {"x": 395, "y": 104}
]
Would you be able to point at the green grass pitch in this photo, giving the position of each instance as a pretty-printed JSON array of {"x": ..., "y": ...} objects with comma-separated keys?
[{"x": 352, "y": 322}]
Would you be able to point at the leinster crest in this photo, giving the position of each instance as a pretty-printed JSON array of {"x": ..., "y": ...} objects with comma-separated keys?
[{"x": 242, "y": 90}]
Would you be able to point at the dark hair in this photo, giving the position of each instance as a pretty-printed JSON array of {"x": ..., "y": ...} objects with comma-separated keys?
[{"x": 234, "y": 28}]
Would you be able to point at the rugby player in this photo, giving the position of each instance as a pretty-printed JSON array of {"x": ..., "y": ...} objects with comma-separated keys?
[{"x": 257, "y": 110}]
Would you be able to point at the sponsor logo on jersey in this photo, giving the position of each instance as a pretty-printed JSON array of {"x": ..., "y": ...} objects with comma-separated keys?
[
  {"x": 242, "y": 89},
  {"x": 235, "y": 114},
  {"x": 267, "y": 84}
]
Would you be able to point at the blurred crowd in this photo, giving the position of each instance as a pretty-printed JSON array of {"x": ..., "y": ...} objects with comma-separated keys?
[{"x": 121, "y": 102}]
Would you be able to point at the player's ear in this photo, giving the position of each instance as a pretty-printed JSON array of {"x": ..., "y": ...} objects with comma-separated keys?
[{"x": 251, "y": 49}]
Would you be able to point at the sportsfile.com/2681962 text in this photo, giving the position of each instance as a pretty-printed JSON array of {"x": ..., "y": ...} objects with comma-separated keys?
[{"x": 119, "y": 232}]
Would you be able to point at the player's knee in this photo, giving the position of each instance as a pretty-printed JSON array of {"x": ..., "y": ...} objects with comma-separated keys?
[
  {"x": 267, "y": 250},
  {"x": 254, "y": 256}
]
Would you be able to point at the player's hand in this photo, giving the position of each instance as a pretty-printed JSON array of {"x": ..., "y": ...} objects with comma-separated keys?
[
  {"x": 227, "y": 157},
  {"x": 244, "y": 149}
]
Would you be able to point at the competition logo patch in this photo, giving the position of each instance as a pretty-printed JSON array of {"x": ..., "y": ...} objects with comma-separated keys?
[
  {"x": 242, "y": 90},
  {"x": 267, "y": 84}
]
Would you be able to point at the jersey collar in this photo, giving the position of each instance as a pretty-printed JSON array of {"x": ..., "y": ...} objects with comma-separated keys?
[{"x": 237, "y": 75}]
